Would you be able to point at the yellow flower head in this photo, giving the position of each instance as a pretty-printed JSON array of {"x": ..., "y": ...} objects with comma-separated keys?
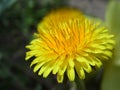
[{"x": 67, "y": 41}]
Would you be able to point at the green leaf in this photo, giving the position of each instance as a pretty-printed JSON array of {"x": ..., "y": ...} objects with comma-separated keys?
[
  {"x": 111, "y": 78},
  {"x": 113, "y": 16}
]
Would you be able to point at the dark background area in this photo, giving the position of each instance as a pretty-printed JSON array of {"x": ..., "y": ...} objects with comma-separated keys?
[{"x": 18, "y": 22}]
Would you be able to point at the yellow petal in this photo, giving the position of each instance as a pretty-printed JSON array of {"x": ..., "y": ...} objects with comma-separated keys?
[
  {"x": 71, "y": 73},
  {"x": 57, "y": 64},
  {"x": 60, "y": 78},
  {"x": 38, "y": 66},
  {"x": 98, "y": 63},
  {"x": 36, "y": 60},
  {"x": 71, "y": 62},
  {"x": 86, "y": 67},
  {"x": 29, "y": 55},
  {"x": 108, "y": 53},
  {"x": 84, "y": 63},
  {"x": 43, "y": 69},
  {"x": 63, "y": 67},
  {"x": 47, "y": 72},
  {"x": 56, "y": 69},
  {"x": 79, "y": 70}
]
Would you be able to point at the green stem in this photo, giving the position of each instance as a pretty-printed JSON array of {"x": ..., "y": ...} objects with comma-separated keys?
[{"x": 79, "y": 83}]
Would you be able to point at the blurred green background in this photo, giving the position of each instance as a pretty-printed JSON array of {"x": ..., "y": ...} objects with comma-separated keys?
[{"x": 18, "y": 22}]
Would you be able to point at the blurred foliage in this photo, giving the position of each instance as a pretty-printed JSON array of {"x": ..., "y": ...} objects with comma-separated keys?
[
  {"x": 4, "y": 4},
  {"x": 111, "y": 79},
  {"x": 18, "y": 21}
]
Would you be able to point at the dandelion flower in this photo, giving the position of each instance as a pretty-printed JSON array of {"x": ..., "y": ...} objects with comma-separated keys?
[{"x": 68, "y": 42}]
